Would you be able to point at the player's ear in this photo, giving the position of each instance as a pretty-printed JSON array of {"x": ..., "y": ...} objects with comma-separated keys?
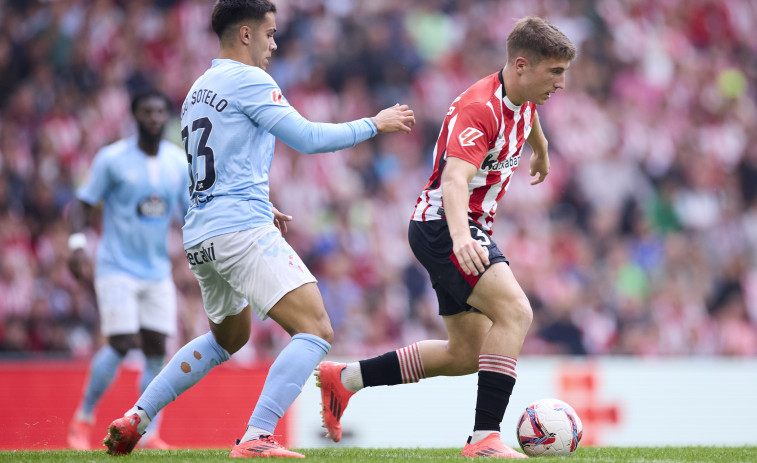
[
  {"x": 244, "y": 34},
  {"x": 521, "y": 64}
]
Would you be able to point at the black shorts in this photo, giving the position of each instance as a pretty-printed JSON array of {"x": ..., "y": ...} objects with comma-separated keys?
[{"x": 432, "y": 246}]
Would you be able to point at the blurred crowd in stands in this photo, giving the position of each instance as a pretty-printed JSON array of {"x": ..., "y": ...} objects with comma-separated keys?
[{"x": 642, "y": 241}]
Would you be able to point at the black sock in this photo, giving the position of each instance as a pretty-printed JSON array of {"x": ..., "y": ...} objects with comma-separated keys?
[
  {"x": 383, "y": 370},
  {"x": 494, "y": 390}
]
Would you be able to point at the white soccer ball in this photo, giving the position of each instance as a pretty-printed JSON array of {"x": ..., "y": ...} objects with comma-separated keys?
[{"x": 549, "y": 427}]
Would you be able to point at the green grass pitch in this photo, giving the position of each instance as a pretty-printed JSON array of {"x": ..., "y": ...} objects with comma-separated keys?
[{"x": 357, "y": 455}]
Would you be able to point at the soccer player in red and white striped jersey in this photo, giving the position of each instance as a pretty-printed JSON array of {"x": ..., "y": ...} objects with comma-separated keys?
[
  {"x": 486, "y": 129},
  {"x": 485, "y": 311}
]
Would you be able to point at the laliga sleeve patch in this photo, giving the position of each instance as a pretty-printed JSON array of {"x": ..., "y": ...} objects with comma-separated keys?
[{"x": 469, "y": 135}]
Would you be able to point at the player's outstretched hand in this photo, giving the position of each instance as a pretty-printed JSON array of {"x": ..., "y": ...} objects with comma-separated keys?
[
  {"x": 280, "y": 220},
  {"x": 398, "y": 118}
]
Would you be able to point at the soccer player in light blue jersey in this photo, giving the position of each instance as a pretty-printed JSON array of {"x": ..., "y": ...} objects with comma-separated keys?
[
  {"x": 233, "y": 234},
  {"x": 141, "y": 182}
]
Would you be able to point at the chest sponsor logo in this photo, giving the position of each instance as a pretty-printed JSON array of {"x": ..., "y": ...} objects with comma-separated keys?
[
  {"x": 469, "y": 135},
  {"x": 152, "y": 207},
  {"x": 490, "y": 163}
]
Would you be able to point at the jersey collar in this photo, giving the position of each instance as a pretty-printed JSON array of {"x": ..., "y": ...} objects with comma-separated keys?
[{"x": 510, "y": 105}]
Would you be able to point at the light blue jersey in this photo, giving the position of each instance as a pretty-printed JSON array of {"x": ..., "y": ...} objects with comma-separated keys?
[
  {"x": 141, "y": 195},
  {"x": 230, "y": 120}
]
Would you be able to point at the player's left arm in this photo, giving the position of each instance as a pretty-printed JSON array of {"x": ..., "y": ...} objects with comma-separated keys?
[
  {"x": 540, "y": 159},
  {"x": 280, "y": 220},
  {"x": 183, "y": 193}
]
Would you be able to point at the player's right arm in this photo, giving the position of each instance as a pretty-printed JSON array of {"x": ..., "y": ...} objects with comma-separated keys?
[
  {"x": 261, "y": 100},
  {"x": 319, "y": 137},
  {"x": 78, "y": 261},
  {"x": 398, "y": 118},
  {"x": 469, "y": 253},
  {"x": 468, "y": 143},
  {"x": 80, "y": 216}
]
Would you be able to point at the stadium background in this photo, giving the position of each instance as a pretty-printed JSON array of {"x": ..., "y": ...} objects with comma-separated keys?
[{"x": 640, "y": 243}]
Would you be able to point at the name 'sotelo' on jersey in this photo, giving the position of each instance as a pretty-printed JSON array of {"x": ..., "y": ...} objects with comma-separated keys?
[
  {"x": 490, "y": 163},
  {"x": 205, "y": 96}
]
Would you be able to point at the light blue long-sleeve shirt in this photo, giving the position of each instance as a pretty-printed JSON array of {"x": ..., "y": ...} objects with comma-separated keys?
[{"x": 230, "y": 120}]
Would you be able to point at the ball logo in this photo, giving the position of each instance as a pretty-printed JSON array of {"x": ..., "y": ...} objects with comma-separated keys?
[
  {"x": 469, "y": 135},
  {"x": 277, "y": 97}
]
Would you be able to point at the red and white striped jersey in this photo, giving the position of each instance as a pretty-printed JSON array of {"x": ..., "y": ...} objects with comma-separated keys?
[{"x": 486, "y": 129}]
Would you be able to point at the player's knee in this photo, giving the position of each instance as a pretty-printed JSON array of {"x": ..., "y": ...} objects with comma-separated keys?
[
  {"x": 462, "y": 358},
  {"x": 325, "y": 332},
  {"x": 520, "y": 313},
  {"x": 153, "y": 343},
  {"x": 320, "y": 326},
  {"x": 234, "y": 341},
  {"x": 154, "y": 350},
  {"x": 122, "y": 343},
  {"x": 515, "y": 314},
  {"x": 468, "y": 364}
]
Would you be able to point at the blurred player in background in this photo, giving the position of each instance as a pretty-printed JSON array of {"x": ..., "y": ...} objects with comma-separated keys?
[
  {"x": 142, "y": 184},
  {"x": 233, "y": 235},
  {"x": 485, "y": 311}
]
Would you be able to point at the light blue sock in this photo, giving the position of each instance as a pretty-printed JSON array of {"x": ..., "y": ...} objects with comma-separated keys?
[
  {"x": 287, "y": 375},
  {"x": 184, "y": 370},
  {"x": 153, "y": 365},
  {"x": 101, "y": 372}
]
